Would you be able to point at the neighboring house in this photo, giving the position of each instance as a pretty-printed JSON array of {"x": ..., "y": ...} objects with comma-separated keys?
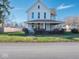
[
  {"x": 72, "y": 22},
  {"x": 41, "y": 17}
]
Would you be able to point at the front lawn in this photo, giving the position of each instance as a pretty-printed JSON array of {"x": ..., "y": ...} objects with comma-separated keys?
[{"x": 19, "y": 37}]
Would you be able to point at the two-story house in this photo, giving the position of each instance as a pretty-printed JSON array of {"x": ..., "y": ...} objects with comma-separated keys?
[{"x": 41, "y": 17}]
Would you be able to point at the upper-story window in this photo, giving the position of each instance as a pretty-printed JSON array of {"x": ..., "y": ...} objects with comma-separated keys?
[
  {"x": 32, "y": 15},
  {"x": 44, "y": 15},
  {"x": 38, "y": 6},
  {"x": 38, "y": 15}
]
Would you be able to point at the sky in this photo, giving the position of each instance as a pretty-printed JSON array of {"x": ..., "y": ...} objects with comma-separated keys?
[{"x": 64, "y": 8}]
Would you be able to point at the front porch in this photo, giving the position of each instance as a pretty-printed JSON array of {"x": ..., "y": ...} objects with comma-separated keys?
[{"x": 48, "y": 25}]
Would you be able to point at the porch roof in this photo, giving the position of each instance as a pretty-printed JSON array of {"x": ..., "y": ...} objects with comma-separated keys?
[{"x": 45, "y": 21}]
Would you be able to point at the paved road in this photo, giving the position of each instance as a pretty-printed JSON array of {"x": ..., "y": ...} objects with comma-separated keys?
[{"x": 39, "y": 51}]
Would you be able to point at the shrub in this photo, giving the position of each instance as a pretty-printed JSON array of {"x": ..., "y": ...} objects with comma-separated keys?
[
  {"x": 57, "y": 31},
  {"x": 48, "y": 32},
  {"x": 74, "y": 30},
  {"x": 62, "y": 31},
  {"x": 39, "y": 31},
  {"x": 26, "y": 31},
  {"x": 43, "y": 31}
]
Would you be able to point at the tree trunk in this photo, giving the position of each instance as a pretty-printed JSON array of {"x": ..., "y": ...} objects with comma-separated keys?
[{"x": 3, "y": 25}]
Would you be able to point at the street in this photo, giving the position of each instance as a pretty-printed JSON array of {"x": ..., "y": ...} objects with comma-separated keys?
[{"x": 39, "y": 50}]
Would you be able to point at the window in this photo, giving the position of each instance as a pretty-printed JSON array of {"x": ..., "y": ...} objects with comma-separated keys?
[
  {"x": 38, "y": 15},
  {"x": 44, "y": 15},
  {"x": 32, "y": 15},
  {"x": 38, "y": 6}
]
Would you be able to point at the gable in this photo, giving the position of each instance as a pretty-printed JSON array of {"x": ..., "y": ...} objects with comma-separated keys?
[{"x": 36, "y": 5}]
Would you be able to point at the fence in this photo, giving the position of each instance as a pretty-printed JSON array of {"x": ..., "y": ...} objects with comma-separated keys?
[{"x": 10, "y": 29}]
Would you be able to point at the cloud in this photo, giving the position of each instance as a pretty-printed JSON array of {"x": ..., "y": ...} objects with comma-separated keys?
[{"x": 63, "y": 6}]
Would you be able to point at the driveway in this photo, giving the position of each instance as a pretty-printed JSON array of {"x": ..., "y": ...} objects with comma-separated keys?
[{"x": 39, "y": 50}]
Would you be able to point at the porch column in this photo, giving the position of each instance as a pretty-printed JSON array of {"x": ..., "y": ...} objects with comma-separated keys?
[
  {"x": 44, "y": 26},
  {"x": 50, "y": 26}
]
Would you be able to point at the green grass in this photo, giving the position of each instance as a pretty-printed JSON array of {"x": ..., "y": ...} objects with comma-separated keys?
[{"x": 19, "y": 37}]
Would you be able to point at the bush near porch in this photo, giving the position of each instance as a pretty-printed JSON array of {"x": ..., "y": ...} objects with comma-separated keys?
[
  {"x": 19, "y": 37},
  {"x": 44, "y": 32}
]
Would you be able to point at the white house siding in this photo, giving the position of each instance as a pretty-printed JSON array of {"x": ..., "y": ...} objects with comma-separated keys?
[
  {"x": 41, "y": 26},
  {"x": 42, "y": 10},
  {"x": 47, "y": 27},
  {"x": 52, "y": 27}
]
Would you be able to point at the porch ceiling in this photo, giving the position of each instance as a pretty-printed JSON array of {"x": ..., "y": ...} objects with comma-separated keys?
[{"x": 45, "y": 21}]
